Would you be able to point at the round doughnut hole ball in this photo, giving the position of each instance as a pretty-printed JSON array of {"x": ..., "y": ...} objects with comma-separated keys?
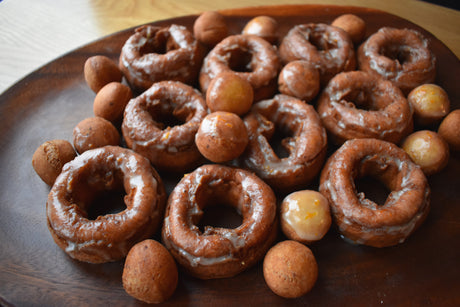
[
  {"x": 222, "y": 137},
  {"x": 430, "y": 103},
  {"x": 449, "y": 130},
  {"x": 299, "y": 79},
  {"x": 94, "y": 132},
  {"x": 353, "y": 25},
  {"x": 290, "y": 269},
  {"x": 111, "y": 100},
  {"x": 230, "y": 93},
  {"x": 262, "y": 26},
  {"x": 99, "y": 70},
  {"x": 305, "y": 216},
  {"x": 210, "y": 28},
  {"x": 427, "y": 149},
  {"x": 150, "y": 273},
  {"x": 50, "y": 157}
]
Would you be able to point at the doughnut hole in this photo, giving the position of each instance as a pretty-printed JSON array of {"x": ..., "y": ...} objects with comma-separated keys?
[
  {"x": 449, "y": 130},
  {"x": 290, "y": 269},
  {"x": 49, "y": 158},
  {"x": 99, "y": 71},
  {"x": 430, "y": 103},
  {"x": 299, "y": 79},
  {"x": 230, "y": 93},
  {"x": 305, "y": 216},
  {"x": 222, "y": 137},
  {"x": 353, "y": 25},
  {"x": 150, "y": 273},
  {"x": 427, "y": 149},
  {"x": 210, "y": 28},
  {"x": 263, "y": 26},
  {"x": 111, "y": 100},
  {"x": 94, "y": 132}
]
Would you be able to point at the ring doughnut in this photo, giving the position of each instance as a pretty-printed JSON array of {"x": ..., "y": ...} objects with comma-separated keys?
[
  {"x": 359, "y": 105},
  {"x": 166, "y": 103},
  {"x": 306, "y": 142},
  {"x": 108, "y": 237},
  {"x": 219, "y": 252},
  {"x": 251, "y": 57},
  {"x": 327, "y": 48},
  {"x": 361, "y": 220},
  {"x": 155, "y": 54},
  {"x": 399, "y": 55}
]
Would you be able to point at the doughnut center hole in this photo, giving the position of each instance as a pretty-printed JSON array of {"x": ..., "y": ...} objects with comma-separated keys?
[
  {"x": 319, "y": 42},
  {"x": 240, "y": 60},
  {"x": 281, "y": 143},
  {"x": 167, "y": 114},
  {"x": 220, "y": 215},
  {"x": 395, "y": 52},
  {"x": 106, "y": 202},
  {"x": 99, "y": 192},
  {"x": 362, "y": 99},
  {"x": 160, "y": 43},
  {"x": 372, "y": 189}
]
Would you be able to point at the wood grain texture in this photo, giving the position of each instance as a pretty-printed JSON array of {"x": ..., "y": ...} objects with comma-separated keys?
[
  {"x": 35, "y": 272},
  {"x": 34, "y": 33}
]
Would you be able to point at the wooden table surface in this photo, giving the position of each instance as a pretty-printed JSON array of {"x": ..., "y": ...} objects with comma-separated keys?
[{"x": 34, "y": 33}]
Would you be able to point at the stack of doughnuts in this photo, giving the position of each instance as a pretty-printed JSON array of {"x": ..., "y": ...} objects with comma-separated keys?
[{"x": 357, "y": 112}]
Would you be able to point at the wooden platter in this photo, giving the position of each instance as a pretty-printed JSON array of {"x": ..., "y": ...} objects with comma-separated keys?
[{"x": 48, "y": 103}]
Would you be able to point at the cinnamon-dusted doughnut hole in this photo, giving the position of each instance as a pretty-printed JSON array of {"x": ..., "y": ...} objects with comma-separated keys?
[
  {"x": 150, "y": 273},
  {"x": 449, "y": 130},
  {"x": 99, "y": 70},
  {"x": 353, "y": 25},
  {"x": 263, "y": 26},
  {"x": 111, "y": 100},
  {"x": 430, "y": 103},
  {"x": 305, "y": 216},
  {"x": 290, "y": 269},
  {"x": 94, "y": 132},
  {"x": 50, "y": 157},
  {"x": 210, "y": 28},
  {"x": 222, "y": 137},
  {"x": 427, "y": 149},
  {"x": 231, "y": 93},
  {"x": 299, "y": 79}
]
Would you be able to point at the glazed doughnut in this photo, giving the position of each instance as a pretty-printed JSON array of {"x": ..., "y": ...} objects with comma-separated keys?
[
  {"x": 251, "y": 57},
  {"x": 154, "y": 54},
  {"x": 327, "y": 48},
  {"x": 108, "y": 237},
  {"x": 360, "y": 219},
  {"x": 164, "y": 104},
  {"x": 306, "y": 144},
  {"x": 399, "y": 55},
  {"x": 359, "y": 105},
  {"x": 219, "y": 252}
]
